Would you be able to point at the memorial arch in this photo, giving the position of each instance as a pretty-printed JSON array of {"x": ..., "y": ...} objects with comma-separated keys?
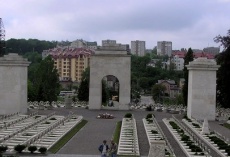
[{"x": 110, "y": 63}]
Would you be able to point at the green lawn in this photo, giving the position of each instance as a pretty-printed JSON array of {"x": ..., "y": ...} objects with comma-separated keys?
[
  {"x": 67, "y": 137},
  {"x": 116, "y": 134},
  {"x": 226, "y": 125}
]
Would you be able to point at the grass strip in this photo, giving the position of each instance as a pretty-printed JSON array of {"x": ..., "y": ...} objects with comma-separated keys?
[
  {"x": 226, "y": 125},
  {"x": 67, "y": 137},
  {"x": 116, "y": 134}
]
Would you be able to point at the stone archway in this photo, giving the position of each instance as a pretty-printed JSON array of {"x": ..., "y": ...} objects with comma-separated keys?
[{"x": 110, "y": 62}]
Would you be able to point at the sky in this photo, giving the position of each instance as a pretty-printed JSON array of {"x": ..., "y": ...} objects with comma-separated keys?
[{"x": 187, "y": 23}]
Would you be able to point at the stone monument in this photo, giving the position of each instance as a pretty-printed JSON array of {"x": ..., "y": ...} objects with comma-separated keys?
[
  {"x": 205, "y": 127},
  {"x": 13, "y": 84},
  {"x": 157, "y": 149},
  {"x": 110, "y": 61},
  {"x": 202, "y": 89}
]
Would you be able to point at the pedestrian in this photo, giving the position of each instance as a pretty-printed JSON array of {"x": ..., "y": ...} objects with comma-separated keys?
[
  {"x": 113, "y": 149},
  {"x": 104, "y": 148}
]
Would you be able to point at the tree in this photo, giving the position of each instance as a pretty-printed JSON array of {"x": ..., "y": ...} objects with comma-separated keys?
[
  {"x": 223, "y": 73},
  {"x": 45, "y": 84},
  {"x": 144, "y": 83},
  {"x": 105, "y": 95},
  {"x": 188, "y": 58},
  {"x": 158, "y": 92},
  {"x": 22, "y": 46},
  {"x": 83, "y": 91}
]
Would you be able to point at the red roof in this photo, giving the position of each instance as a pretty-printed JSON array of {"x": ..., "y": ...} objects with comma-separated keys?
[
  {"x": 181, "y": 54},
  {"x": 69, "y": 52},
  {"x": 204, "y": 54}
]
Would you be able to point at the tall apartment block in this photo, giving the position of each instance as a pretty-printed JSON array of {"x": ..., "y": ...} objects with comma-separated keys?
[
  {"x": 79, "y": 43},
  {"x": 138, "y": 47},
  {"x": 70, "y": 62},
  {"x": 112, "y": 44},
  {"x": 164, "y": 48}
]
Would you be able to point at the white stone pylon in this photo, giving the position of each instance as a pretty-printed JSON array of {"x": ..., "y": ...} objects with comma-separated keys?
[{"x": 205, "y": 127}]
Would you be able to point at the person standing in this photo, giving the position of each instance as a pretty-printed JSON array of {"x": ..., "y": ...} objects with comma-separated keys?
[
  {"x": 113, "y": 149},
  {"x": 104, "y": 148}
]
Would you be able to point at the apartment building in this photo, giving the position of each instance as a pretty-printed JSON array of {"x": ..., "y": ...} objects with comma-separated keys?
[
  {"x": 164, "y": 48},
  {"x": 70, "y": 62},
  {"x": 212, "y": 50},
  {"x": 113, "y": 45},
  {"x": 138, "y": 48},
  {"x": 178, "y": 59}
]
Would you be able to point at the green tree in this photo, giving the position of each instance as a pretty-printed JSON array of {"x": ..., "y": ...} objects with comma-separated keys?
[
  {"x": 22, "y": 46},
  {"x": 179, "y": 99},
  {"x": 188, "y": 58},
  {"x": 83, "y": 90},
  {"x": 158, "y": 92},
  {"x": 159, "y": 63},
  {"x": 105, "y": 95},
  {"x": 223, "y": 73},
  {"x": 45, "y": 84},
  {"x": 144, "y": 83},
  {"x": 35, "y": 58}
]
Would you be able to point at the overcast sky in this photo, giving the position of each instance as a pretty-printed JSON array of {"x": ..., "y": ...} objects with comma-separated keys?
[{"x": 187, "y": 23}]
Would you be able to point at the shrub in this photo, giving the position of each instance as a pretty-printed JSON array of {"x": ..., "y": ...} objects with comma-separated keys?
[
  {"x": 154, "y": 132},
  {"x": 185, "y": 138},
  {"x": 46, "y": 122},
  {"x": 149, "y": 108},
  {"x": 150, "y": 120},
  {"x": 196, "y": 125},
  {"x": 53, "y": 118},
  {"x": 19, "y": 148},
  {"x": 149, "y": 116},
  {"x": 128, "y": 115},
  {"x": 174, "y": 125},
  {"x": 180, "y": 131},
  {"x": 42, "y": 150},
  {"x": 32, "y": 149},
  {"x": 3, "y": 148},
  {"x": 36, "y": 117}
]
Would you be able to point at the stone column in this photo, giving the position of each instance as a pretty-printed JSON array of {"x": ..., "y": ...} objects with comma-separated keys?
[
  {"x": 202, "y": 89},
  {"x": 13, "y": 84},
  {"x": 157, "y": 149}
]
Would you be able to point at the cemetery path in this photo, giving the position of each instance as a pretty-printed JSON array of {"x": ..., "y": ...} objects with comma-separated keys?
[
  {"x": 88, "y": 139},
  {"x": 215, "y": 126},
  {"x": 176, "y": 148},
  {"x": 142, "y": 137}
]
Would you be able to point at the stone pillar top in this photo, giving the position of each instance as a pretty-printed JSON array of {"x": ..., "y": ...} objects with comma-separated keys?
[
  {"x": 13, "y": 59},
  {"x": 202, "y": 63}
]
